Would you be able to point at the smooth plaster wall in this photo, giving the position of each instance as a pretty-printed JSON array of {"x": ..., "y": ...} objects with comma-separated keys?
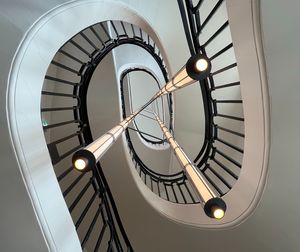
[
  {"x": 272, "y": 227},
  {"x": 16, "y": 211},
  {"x": 16, "y": 18}
]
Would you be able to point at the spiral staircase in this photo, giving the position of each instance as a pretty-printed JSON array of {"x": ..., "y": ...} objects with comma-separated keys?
[{"x": 82, "y": 67}]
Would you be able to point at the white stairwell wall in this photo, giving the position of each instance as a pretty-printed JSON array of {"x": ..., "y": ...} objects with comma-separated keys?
[
  {"x": 272, "y": 227},
  {"x": 46, "y": 217}
]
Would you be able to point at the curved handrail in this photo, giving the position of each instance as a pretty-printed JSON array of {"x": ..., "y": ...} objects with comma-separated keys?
[
  {"x": 211, "y": 155},
  {"x": 78, "y": 71},
  {"x": 180, "y": 189},
  {"x": 169, "y": 97},
  {"x": 172, "y": 187}
]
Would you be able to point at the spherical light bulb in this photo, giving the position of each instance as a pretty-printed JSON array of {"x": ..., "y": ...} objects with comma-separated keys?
[
  {"x": 218, "y": 213},
  {"x": 201, "y": 65},
  {"x": 80, "y": 164}
]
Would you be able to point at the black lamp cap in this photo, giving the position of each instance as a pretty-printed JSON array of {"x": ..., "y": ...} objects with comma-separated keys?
[
  {"x": 87, "y": 156},
  {"x": 212, "y": 204},
  {"x": 193, "y": 72}
]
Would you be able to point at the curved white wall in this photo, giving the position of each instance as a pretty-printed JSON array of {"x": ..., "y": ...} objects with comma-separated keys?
[
  {"x": 272, "y": 227},
  {"x": 246, "y": 193},
  {"x": 29, "y": 173}
]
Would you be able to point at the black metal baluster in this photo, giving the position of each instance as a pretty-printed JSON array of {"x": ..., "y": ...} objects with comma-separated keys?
[
  {"x": 105, "y": 31},
  {"x": 72, "y": 185},
  {"x": 53, "y": 62},
  {"x": 224, "y": 69},
  {"x": 114, "y": 28},
  {"x": 228, "y": 85},
  {"x": 88, "y": 40},
  {"x": 80, "y": 47},
  {"x": 230, "y": 145},
  {"x": 216, "y": 34},
  {"x": 85, "y": 210},
  {"x": 60, "y": 124},
  {"x": 217, "y": 54},
  {"x": 97, "y": 36},
  {"x": 189, "y": 192},
  {"x": 90, "y": 229},
  {"x": 228, "y": 158},
  {"x": 210, "y": 15},
  {"x": 123, "y": 27},
  {"x": 47, "y": 77},
  {"x": 65, "y": 173}
]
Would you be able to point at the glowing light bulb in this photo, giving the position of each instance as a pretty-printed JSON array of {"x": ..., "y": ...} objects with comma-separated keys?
[
  {"x": 201, "y": 65},
  {"x": 80, "y": 164},
  {"x": 218, "y": 213}
]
